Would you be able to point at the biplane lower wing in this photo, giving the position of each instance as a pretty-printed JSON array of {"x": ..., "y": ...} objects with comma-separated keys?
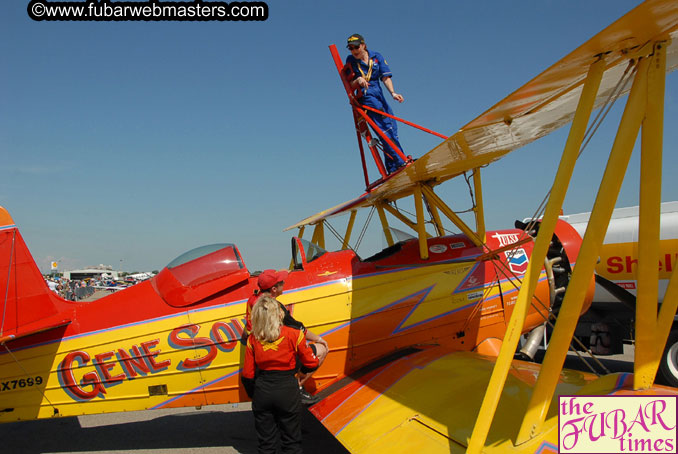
[{"x": 427, "y": 400}]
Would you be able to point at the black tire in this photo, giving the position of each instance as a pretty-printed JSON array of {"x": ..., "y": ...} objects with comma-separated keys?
[{"x": 668, "y": 366}]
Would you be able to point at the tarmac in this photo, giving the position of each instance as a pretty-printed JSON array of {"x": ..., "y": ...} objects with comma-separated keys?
[{"x": 223, "y": 429}]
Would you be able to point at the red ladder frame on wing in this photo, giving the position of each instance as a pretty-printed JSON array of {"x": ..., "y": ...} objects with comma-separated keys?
[{"x": 361, "y": 120}]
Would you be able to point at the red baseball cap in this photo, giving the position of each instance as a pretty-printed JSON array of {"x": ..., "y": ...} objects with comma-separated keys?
[{"x": 268, "y": 278}]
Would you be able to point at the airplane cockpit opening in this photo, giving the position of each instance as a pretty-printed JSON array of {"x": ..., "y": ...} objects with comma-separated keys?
[
  {"x": 200, "y": 273},
  {"x": 386, "y": 252},
  {"x": 304, "y": 251}
]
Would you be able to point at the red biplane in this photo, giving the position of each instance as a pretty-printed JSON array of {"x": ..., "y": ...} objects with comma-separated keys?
[{"x": 423, "y": 334}]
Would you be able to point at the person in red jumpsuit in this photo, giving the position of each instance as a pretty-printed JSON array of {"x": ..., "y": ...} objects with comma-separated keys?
[
  {"x": 271, "y": 283},
  {"x": 268, "y": 376}
]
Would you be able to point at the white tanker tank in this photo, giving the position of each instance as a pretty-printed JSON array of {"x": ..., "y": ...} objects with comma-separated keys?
[{"x": 609, "y": 322}]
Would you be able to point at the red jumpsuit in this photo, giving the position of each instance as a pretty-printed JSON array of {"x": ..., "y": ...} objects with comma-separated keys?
[{"x": 268, "y": 377}]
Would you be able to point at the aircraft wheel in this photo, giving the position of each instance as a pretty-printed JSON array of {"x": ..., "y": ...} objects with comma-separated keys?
[{"x": 668, "y": 366}]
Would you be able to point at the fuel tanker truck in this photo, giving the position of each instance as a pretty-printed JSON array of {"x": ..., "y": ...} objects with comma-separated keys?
[{"x": 608, "y": 324}]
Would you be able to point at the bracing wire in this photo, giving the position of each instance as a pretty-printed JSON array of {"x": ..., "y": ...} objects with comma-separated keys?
[
  {"x": 364, "y": 229},
  {"x": 334, "y": 231},
  {"x": 337, "y": 235}
]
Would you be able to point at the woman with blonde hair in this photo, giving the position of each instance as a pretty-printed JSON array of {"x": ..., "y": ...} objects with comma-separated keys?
[
  {"x": 268, "y": 376},
  {"x": 271, "y": 283}
]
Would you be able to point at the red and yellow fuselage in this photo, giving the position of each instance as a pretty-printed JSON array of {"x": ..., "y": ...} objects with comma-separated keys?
[{"x": 174, "y": 340}]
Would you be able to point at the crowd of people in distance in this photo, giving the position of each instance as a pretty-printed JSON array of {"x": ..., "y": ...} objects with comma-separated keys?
[
  {"x": 71, "y": 289},
  {"x": 79, "y": 289}
]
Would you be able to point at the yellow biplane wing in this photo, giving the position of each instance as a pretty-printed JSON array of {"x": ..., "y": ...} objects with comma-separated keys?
[{"x": 538, "y": 108}]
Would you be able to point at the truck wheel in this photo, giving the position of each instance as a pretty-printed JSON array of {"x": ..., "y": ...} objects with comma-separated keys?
[{"x": 668, "y": 367}]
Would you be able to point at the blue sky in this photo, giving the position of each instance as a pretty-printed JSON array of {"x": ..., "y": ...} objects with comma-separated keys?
[{"x": 129, "y": 143}]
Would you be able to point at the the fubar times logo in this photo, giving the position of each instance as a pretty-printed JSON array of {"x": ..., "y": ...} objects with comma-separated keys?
[{"x": 617, "y": 424}]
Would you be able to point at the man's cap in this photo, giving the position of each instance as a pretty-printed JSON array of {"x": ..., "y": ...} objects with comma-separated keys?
[
  {"x": 355, "y": 40},
  {"x": 268, "y": 278}
]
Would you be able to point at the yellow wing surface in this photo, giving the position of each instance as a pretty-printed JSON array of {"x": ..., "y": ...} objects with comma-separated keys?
[
  {"x": 536, "y": 109},
  {"x": 427, "y": 401}
]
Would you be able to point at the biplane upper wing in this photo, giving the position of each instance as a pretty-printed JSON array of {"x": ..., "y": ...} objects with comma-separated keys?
[{"x": 538, "y": 108}]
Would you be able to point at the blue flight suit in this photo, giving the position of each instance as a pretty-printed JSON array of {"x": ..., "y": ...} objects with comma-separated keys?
[{"x": 374, "y": 97}]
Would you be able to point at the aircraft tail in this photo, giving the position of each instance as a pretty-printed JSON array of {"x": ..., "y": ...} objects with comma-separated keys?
[{"x": 27, "y": 306}]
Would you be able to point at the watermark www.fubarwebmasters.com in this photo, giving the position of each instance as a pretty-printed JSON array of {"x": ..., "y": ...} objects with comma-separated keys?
[
  {"x": 617, "y": 424},
  {"x": 152, "y": 10}
]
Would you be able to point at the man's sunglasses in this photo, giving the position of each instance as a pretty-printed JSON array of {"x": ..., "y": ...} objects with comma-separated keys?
[{"x": 353, "y": 47}]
